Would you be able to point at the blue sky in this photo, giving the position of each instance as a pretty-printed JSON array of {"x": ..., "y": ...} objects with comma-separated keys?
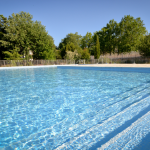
[{"x": 62, "y": 17}]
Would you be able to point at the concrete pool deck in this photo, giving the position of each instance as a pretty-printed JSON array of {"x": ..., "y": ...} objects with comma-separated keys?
[{"x": 117, "y": 65}]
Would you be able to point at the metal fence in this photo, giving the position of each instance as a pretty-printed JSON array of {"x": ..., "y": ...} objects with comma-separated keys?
[
  {"x": 122, "y": 55},
  {"x": 9, "y": 63},
  {"x": 106, "y": 60},
  {"x": 101, "y": 60},
  {"x": 136, "y": 60}
]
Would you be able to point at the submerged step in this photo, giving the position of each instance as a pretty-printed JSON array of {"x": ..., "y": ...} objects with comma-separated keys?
[
  {"x": 100, "y": 131},
  {"x": 130, "y": 137}
]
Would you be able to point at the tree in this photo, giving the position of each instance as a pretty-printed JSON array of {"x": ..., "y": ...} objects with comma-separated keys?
[
  {"x": 72, "y": 38},
  {"x": 16, "y": 33},
  {"x": 2, "y": 32},
  {"x": 25, "y": 34},
  {"x": 144, "y": 47},
  {"x": 111, "y": 36},
  {"x": 125, "y": 36},
  {"x": 86, "y": 40},
  {"x": 131, "y": 32},
  {"x": 58, "y": 54},
  {"x": 2, "y": 27},
  {"x": 71, "y": 55},
  {"x": 85, "y": 54},
  {"x": 102, "y": 38},
  {"x": 97, "y": 48},
  {"x": 68, "y": 47},
  {"x": 70, "y": 43},
  {"x": 12, "y": 54}
]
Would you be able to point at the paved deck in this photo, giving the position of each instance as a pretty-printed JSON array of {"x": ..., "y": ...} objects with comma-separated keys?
[{"x": 118, "y": 65}]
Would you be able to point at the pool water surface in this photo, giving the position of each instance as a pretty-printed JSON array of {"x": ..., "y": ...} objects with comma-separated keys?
[{"x": 59, "y": 108}]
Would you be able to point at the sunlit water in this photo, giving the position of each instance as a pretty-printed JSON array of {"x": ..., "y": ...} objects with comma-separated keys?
[{"x": 50, "y": 108}]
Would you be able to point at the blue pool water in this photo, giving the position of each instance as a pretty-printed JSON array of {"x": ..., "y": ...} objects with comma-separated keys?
[{"x": 59, "y": 108}]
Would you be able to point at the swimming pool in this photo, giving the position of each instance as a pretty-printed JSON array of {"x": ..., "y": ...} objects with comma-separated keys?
[{"x": 74, "y": 108}]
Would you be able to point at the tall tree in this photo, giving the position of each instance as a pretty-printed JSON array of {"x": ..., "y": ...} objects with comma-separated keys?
[
  {"x": 72, "y": 38},
  {"x": 2, "y": 32},
  {"x": 70, "y": 43},
  {"x": 86, "y": 40},
  {"x": 85, "y": 54},
  {"x": 102, "y": 38},
  {"x": 125, "y": 36},
  {"x": 131, "y": 32},
  {"x": 23, "y": 34},
  {"x": 111, "y": 36},
  {"x": 144, "y": 47},
  {"x": 97, "y": 48}
]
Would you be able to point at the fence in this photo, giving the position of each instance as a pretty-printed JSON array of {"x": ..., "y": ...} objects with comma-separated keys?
[
  {"x": 122, "y": 55},
  {"x": 9, "y": 63},
  {"x": 101, "y": 60},
  {"x": 136, "y": 60},
  {"x": 107, "y": 60}
]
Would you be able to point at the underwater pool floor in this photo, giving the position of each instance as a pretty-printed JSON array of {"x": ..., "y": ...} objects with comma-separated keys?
[{"x": 60, "y": 108}]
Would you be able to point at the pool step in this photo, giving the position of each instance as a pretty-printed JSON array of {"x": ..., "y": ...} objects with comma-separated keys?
[
  {"x": 98, "y": 132},
  {"x": 131, "y": 136},
  {"x": 91, "y": 121}
]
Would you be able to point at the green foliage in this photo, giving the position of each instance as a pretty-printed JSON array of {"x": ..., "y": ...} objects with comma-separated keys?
[
  {"x": 71, "y": 55},
  {"x": 58, "y": 54},
  {"x": 123, "y": 37},
  {"x": 2, "y": 28},
  {"x": 71, "y": 38},
  {"x": 19, "y": 34},
  {"x": 2, "y": 32},
  {"x": 87, "y": 40},
  {"x": 111, "y": 36},
  {"x": 97, "y": 48},
  {"x": 85, "y": 54},
  {"x": 12, "y": 54},
  {"x": 131, "y": 32},
  {"x": 27, "y": 35},
  {"x": 102, "y": 38},
  {"x": 70, "y": 47},
  {"x": 70, "y": 43},
  {"x": 144, "y": 47}
]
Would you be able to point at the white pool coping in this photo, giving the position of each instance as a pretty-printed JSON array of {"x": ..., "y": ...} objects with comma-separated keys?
[
  {"x": 41, "y": 66},
  {"x": 118, "y": 65},
  {"x": 86, "y": 65}
]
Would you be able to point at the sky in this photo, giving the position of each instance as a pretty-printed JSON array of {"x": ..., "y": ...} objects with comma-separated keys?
[{"x": 61, "y": 17}]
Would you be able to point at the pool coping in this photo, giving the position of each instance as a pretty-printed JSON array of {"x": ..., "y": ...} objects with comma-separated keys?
[
  {"x": 85, "y": 65},
  {"x": 118, "y": 65}
]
